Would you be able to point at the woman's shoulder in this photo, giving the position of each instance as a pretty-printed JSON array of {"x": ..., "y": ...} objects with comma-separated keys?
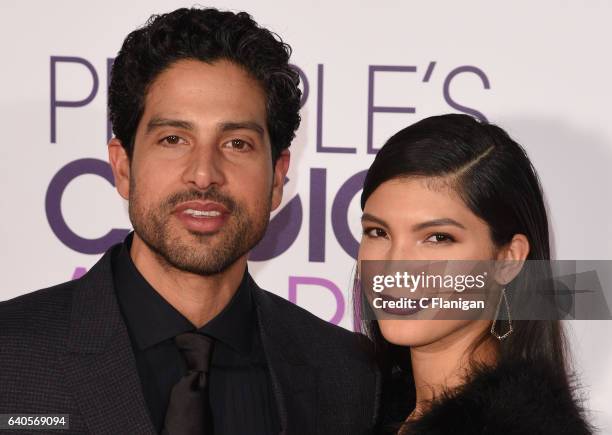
[{"x": 512, "y": 398}]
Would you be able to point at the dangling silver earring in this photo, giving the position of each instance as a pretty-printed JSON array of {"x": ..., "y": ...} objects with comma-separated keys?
[{"x": 510, "y": 328}]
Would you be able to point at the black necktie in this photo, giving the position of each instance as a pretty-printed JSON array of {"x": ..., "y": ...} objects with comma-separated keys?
[{"x": 189, "y": 409}]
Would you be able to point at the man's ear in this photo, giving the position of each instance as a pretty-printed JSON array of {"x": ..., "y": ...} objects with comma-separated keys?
[
  {"x": 511, "y": 257},
  {"x": 120, "y": 164},
  {"x": 280, "y": 171}
]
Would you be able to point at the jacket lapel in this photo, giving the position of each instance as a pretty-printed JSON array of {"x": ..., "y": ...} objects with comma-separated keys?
[
  {"x": 100, "y": 366},
  {"x": 294, "y": 381}
]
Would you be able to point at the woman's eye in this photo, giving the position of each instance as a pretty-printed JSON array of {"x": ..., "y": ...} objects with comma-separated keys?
[
  {"x": 237, "y": 144},
  {"x": 172, "y": 140},
  {"x": 440, "y": 238},
  {"x": 374, "y": 232}
]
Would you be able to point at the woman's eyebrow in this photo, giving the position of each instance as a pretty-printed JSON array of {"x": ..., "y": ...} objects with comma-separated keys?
[
  {"x": 371, "y": 218},
  {"x": 437, "y": 223}
]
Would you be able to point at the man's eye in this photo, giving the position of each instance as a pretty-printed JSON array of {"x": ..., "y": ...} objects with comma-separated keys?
[
  {"x": 172, "y": 140},
  {"x": 374, "y": 232},
  {"x": 440, "y": 238},
  {"x": 237, "y": 144}
]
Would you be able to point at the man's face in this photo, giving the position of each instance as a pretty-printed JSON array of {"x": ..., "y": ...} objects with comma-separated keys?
[{"x": 201, "y": 183}]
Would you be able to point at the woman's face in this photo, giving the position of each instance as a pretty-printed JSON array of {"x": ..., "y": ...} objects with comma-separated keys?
[{"x": 422, "y": 219}]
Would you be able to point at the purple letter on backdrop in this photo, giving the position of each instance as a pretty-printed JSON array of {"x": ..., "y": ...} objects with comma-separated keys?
[
  {"x": 79, "y": 272},
  {"x": 320, "y": 147},
  {"x": 457, "y": 106},
  {"x": 382, "y": 109},
  {"x": 294, "y": 281},
  {"x": 340, "y": 207},
  {"x": 316, "y": 236},
  {"x": 53, "y": 206},
  {"x": 282, "y": 231},
  {"x": 54, "y": 103}
]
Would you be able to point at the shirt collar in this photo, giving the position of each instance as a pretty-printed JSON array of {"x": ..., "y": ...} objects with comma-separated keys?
[{"x": 151, "y": 319}]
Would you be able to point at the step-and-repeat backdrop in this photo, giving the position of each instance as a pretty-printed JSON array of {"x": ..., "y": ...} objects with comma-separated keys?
[{"x": 541, "y": 70}]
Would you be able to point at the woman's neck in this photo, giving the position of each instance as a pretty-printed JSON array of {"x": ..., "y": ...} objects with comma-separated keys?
[{"x": 443, "y": 364}]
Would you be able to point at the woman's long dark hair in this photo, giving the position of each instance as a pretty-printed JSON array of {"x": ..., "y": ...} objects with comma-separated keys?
[{"x": 496, "y": 180}]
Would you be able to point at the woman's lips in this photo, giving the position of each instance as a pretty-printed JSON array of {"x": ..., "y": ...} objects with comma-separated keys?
[{"x": 202, "y": 216}]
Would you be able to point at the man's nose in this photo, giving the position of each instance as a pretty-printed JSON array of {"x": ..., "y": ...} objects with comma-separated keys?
[{"x": 204, "y": 167}]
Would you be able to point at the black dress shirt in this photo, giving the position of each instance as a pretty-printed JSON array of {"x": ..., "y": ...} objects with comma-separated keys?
[{"x": 241, "y": 395}]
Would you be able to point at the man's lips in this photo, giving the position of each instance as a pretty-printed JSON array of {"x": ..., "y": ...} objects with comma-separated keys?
[
  {"x": 203, "y": 206},
  {"x": 202, "y": 216}
]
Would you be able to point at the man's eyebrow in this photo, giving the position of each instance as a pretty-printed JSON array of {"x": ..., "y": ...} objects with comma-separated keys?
[
  {"x": 245, "y": 125},
  {"x": 437, "y": 223},
  {"x": 372, "y": 218},
  {"x": 166, "y": 122},
  {"x": 186, "y": 125}
]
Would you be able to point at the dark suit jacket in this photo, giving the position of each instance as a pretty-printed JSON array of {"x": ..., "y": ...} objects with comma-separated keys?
[{"x": 66, "y": 350}]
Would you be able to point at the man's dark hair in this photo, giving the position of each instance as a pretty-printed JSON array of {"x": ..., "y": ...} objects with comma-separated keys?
[{"x": 207, "y": 35}]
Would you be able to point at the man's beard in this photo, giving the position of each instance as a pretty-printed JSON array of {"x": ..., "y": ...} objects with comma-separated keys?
[{"x": 203, "y": 254}]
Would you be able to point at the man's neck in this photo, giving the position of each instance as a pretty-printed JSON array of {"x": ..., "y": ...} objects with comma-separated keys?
[{"x": 199, "y": 298}]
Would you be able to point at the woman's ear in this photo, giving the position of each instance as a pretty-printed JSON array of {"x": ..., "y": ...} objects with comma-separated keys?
[
  {"x": 120, "y": 164},
  {"x": 510, "y": 258},
  {"x": 517, "y": 249}
]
